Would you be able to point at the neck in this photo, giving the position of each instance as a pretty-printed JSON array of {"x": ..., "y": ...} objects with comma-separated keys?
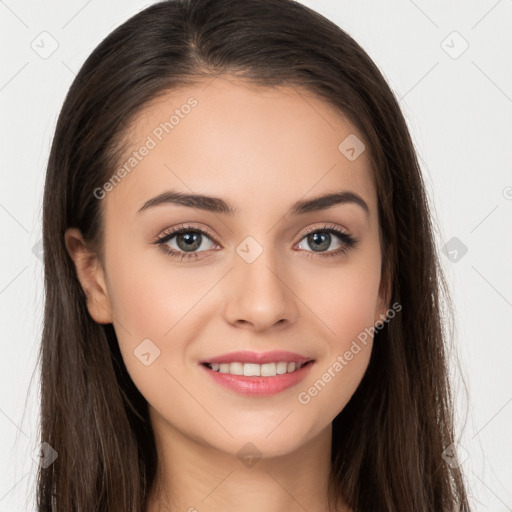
[{"x": 192, "y": 476}]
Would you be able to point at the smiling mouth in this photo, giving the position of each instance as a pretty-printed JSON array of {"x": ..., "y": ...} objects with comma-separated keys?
[{"x": 257, "y": 370}]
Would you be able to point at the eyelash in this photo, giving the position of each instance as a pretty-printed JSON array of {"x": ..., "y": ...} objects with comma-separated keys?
[{"x": 347, "y": 240}]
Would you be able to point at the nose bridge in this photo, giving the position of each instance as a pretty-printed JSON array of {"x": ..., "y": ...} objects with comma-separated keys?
[{"x": 261, "y": 294}]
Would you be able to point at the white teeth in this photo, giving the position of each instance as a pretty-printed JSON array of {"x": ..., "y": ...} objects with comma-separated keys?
[
  {"x": 268, "y": 369},
  {"x": 256, "y": 370},
  {"x": 251, "y": 369},
  {"x": 235, "y": 368},
  {"x": 282, "y": 368}
]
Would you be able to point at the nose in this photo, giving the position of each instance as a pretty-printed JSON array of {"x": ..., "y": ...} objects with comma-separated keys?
[{"x": 259, "y": 294}]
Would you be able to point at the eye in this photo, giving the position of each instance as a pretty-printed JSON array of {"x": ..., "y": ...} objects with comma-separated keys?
[
  {"x": 321, "y": 239},
  {"x": 187, "y": 241},
  {"x": 184, "y": 242}
]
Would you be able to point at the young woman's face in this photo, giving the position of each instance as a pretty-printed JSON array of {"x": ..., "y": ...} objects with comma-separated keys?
[{"x": 254, "y": 280}]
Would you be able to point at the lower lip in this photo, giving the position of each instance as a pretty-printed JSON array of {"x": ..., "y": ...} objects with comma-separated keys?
[{"x": 259, "y": 386}]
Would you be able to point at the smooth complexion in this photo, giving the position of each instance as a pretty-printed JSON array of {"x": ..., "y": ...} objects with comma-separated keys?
[{"x": 261, "y": 151}]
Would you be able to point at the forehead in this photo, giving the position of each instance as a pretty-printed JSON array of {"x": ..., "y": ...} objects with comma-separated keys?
[{"x": 254, "y": 145}]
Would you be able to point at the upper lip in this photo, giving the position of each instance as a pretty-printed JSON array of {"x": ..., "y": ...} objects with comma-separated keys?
[{"x": 258, "y": 357}]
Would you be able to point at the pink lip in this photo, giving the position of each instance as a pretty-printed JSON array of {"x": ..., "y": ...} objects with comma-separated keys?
[
  {"x": 258, "y": 357},
  {"x": 258, "y": 386}
]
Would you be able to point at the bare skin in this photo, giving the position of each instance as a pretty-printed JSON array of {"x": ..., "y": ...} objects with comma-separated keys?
[{"x": 260, "y": 151}]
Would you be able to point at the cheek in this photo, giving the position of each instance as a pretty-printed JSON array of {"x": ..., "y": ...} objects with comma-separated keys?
[
  {"x": 350, "y": 307},
  {"x": 169, "y": 305},
  {"x": 343, "y": 299},
  {"x": 147, "y": 299},
  {"x": 152, "y": 311},
  {"x": 343, "y": 304},
  {"x": 346, "y": 317},
  {"x": 149, "y": 304}
]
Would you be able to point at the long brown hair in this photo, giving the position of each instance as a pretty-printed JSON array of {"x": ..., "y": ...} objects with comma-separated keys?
[{"x": 389, "y": 440}]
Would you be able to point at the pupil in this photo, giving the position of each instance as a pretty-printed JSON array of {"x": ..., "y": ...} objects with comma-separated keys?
[
  {"x": 191, "y": 242},
  {"x": 315, "y": 238}
]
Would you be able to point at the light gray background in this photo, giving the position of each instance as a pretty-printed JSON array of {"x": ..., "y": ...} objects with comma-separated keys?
[{"x": 459, "y": 110}]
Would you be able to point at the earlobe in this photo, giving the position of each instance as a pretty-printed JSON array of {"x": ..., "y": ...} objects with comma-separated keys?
[{"x": 90, "y": 275}]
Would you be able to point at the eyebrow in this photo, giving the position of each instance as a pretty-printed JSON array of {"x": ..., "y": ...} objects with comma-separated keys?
[{"x": 218, "y": 205}]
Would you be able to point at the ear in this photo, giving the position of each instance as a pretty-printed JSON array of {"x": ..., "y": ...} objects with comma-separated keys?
[{"x": 91, "y": 276}]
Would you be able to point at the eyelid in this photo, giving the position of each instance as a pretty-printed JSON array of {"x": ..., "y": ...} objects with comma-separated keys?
[
  {"x": 348, "y": 241},
  {"x": 168, "y": 233},
  {"x": 207, "y": 231},
  {"x": 325, "y": 227}
]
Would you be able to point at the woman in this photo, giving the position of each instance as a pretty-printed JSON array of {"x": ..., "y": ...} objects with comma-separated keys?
[{"x": 242, "y": 288}]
